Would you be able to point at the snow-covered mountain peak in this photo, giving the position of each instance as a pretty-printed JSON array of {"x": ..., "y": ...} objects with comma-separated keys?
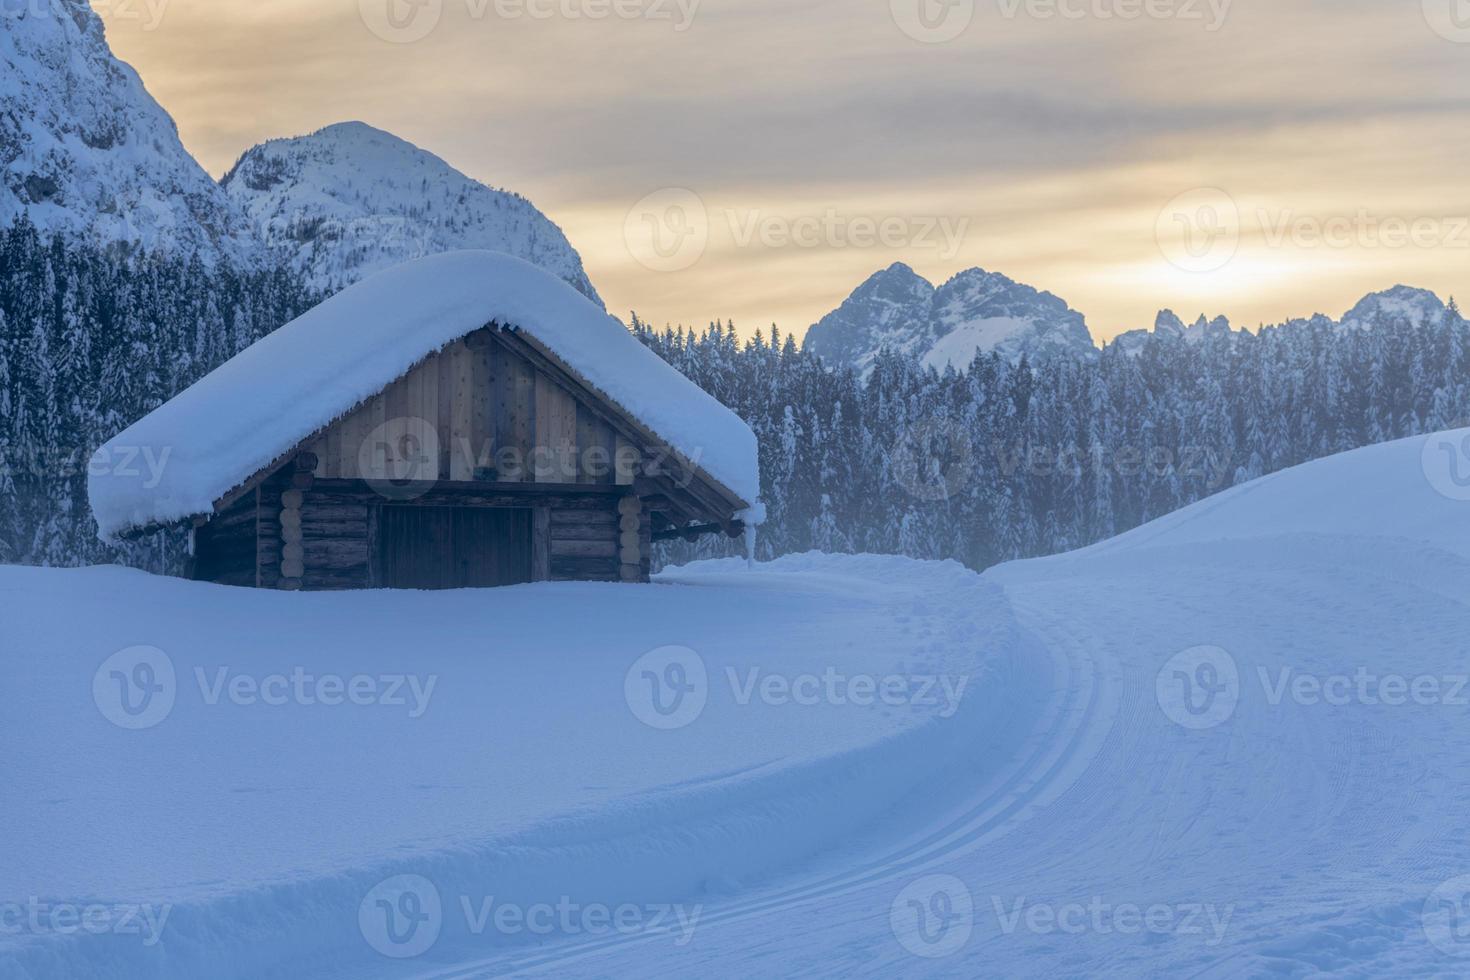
[
  {"x": 1168, "y": 322},
  {"x": 889, "y": 310},
  {"x": 1419, "y": 307},
  {"x": 975, "y": 311},
  {"x": 898, "y": 284},
  {"x": 87, "y": 153},
  {"x": 350, "y": 200}
]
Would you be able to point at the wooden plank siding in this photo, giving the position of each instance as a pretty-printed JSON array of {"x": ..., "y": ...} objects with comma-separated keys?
[
  {"x": 225, "y": 548},
  {"x": 490, "y": 415}
]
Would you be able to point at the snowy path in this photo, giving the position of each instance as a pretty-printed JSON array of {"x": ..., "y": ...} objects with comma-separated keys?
[{"x": 1290, "y": 827}]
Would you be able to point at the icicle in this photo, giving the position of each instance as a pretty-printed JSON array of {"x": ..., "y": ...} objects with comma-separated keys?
[{"x": 752, "y": 518}]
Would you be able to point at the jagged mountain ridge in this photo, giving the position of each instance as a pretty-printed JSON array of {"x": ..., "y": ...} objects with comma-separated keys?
[
  {"x": 350, "y": 200},
  {"x": 975, "y": 311},
  {"x": 87, "y": 153}
]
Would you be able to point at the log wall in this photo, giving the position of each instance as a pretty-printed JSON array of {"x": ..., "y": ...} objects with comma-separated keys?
[{"x": 325, "y": 538}]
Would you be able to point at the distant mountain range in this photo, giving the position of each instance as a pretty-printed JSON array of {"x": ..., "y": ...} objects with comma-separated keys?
[
  {"x": 86, "y": 152},
  {"x": 983, "y": 312}
]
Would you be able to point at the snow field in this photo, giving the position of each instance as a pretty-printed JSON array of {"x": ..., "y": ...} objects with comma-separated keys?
[{"x": 493, "y": 752}]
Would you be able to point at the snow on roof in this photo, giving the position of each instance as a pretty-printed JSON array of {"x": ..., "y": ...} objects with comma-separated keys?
[{"x": 177, "y": 461}]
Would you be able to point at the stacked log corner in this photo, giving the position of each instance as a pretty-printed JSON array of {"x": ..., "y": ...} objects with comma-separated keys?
[{"x": 635, "y": 540}]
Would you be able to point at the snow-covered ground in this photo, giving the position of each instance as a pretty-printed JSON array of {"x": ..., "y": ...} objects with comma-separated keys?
[
  {"x": 507, "y": 743},
  {"x": 1233, "y": 743}
]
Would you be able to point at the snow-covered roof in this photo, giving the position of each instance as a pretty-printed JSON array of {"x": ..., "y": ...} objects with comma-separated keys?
[{"x": 176, "y": 462}]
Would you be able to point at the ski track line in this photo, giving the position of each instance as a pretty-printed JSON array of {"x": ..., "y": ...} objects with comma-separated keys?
[{"x": 1050, "y": 768}]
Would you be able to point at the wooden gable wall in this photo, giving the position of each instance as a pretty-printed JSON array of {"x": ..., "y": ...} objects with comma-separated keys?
[{"x": 497, "y": 418}]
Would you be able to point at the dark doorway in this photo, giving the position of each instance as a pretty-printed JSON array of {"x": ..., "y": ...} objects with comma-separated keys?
[{"x": 453, "y": 547}]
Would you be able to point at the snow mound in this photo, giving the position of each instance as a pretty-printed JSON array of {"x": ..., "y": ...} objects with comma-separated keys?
[
  {"x": 1415, "y": 490},
  {"x": 287, "y": 386},
  {"x": 516, "y": 765}
]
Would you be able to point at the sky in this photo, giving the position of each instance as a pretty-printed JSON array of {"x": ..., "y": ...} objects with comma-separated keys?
[{"x": 756, "y": 160}]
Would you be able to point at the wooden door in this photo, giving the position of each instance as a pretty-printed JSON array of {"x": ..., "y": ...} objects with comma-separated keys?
[{"x": 453, "y": 547}]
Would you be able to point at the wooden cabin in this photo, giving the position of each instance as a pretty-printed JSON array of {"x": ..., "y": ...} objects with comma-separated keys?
[{"x": 493, "y": 460}]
